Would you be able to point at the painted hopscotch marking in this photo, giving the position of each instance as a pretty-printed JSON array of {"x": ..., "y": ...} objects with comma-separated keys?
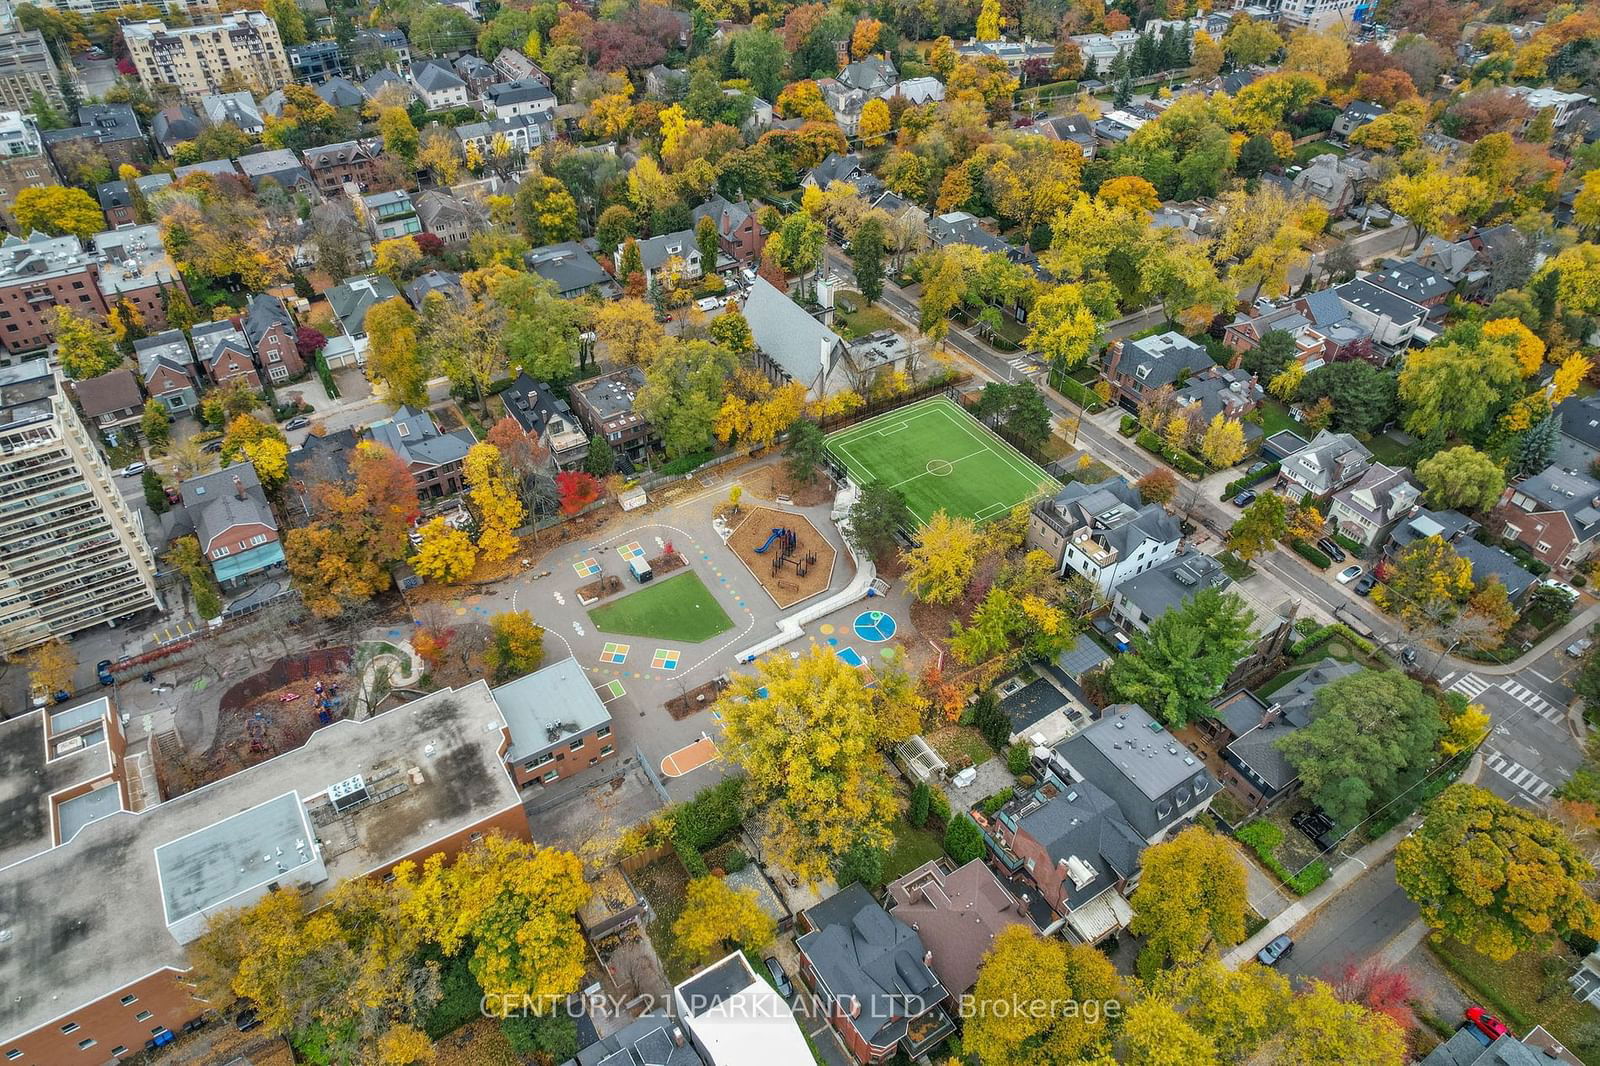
[
  {"x": 664, "y": 659},
  {"x": 586, "y": 567},
  {"x": 614, "y": 653}
]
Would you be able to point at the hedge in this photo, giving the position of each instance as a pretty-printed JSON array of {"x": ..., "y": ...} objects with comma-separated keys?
[
  {"x": 685, "y": 463},
  {"x": 1238, "y": 485},
  {"x": 1076, "y": 391},
  {"x": 1348, "y": 544},
  {"x": 1263, "y": 838},
  {"x": 1311, "y": 555},
  {"x": 1129, "y": 426},
  {"x": 712, "y": 816},
  {"x": 1316, "y": 637}
]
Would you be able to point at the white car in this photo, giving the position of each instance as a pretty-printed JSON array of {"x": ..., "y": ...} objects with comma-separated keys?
[
  {"x": 709, "y": 303},
  {"x": 1562, "y": 586},
  {"x": 131, "y": 470},
  {"x": 1349, "y": 574}
]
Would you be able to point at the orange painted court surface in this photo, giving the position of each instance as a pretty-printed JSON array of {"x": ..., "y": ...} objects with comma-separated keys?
[{"x": 690, "y": 757}]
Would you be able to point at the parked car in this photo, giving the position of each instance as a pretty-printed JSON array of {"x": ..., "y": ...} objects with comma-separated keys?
[
  {"x": 297, "y": 422},
  {"x": 1331, "y": 549},
  {"x": 1365, "y": 585},
  {"x": 1578, "y": 647},
  {"x": 1275, "y": 952},
  {"x": 1244, "y": 499},
  {"x": 1349, "y": 574},
  {"x": 779, "y": 978},
  {"x": 103, "y": 669},
  {"x": 1317, "y": 827},
  {"x": 1408, "y": 655},
  {"x": 131, "y": 470},
  {"x": 1256, "y": 468},
  {"x": 247, "y": 1019},
  {"x": 1562, "y": 586},
  {"x": 212, "y": 446},
  {"x": 1485, "y": 1026}
]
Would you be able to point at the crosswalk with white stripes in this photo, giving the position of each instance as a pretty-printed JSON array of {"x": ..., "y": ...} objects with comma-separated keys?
[
  {"x": 1519, "y": 776},
  {"x": 1472, "y": 686}
]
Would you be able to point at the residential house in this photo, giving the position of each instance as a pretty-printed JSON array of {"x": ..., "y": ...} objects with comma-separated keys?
[
  {"x": 225, "y": 353},
  {"x": 1560, "y": 104},
  {"x": 23, "y": 162},
  {"x": 605, "y": 407},
  {"x": 1466, "y": 1048},
  {"x": 1416, "y": 282},
  {"x": 1391, "y": 319},
  {"x": 446, "y": 217},
  {"x": 1579, "y": 444},
  {"x": 1368, "y": 510},
  {"x": 1135, "y": 368},
  {"x": 512, "y": 65},
  {"x": 529, "y": 97},
  {"x": 1012, "y": 53},
  {"x": 1489, "y": 562},
  {"x": 1229, "y": 393},
  {"x": 734, "y": 1018},
  {"x": 834, "y": 167},
  {"x": 1137, "y": 601},
  {"x": 350, "y": 300},
  {"x": 1355, "y": 115},
  {"x": 112, "y": 128},
  {"x": 1337, "y": 183},
  {"x": 572, "y": 270},
  {"x": 116, "y": 203},
  {"x": 435, "y": 458},
  {"x": 271, "y": 333},
  {"x": 447, "y": 283},
  {"x": 558, "y": 725},
  {"x": 477, "y": 72},
  {"x": 218, "y": 168},
  {"x": 317, "y": 460},
  {"x": 316, "y": 61},
  {"x": 917, "y": 91},
  {"x": 1075, "y": 127},
  {"x": 1154, "y": 780},
  {"x": 523, "y": 133},
  {"x": 378, "y": 49},
  {"x": 1103, "y": 532},
  {"x": 172, "y": 126},
  {"x": 1555, "y": 514},
  {"x": 135, "y": 269},
  {"x": 37, "y": 274},
  {"x": 341, "y": 92},
  {"x": 669, "y": 259},
  {"x": 959, "y": 227},
  {"x": 760, "y": 112},
  {"x": 438, "y": 85},
  {"x": 1460, "y": 263},
  {"x": 958, "y": 911},
  {"x": 166, "y": 366},
  {"x": 280, "y": 165},
  {"x": 664, "y": 82},
  {"x": 237, "y": 530},
  {"x": 1321, "y": 324},
  {"x": 332, "y": 166},
  {"x": 1450, "y": 526},
  {"x": 389, "y": 214},
  {"x": 739, "y": 235},
  {"x": 1247, "y": 729},
  {"x": 874, "y": 76},
  {"x": 1068, "y": 853},
  {"x": 872, "y": 973},
  {"x": 110, "y": 401},
  {"x": 379, "y": 85},
  {"x": 651, "y": 1040},
  {"x": 547, "y": 418},
  {"x": 233, "y": 109},
  {"x": 1331, "y": 462},
  {"x": 845, "y": 103}
]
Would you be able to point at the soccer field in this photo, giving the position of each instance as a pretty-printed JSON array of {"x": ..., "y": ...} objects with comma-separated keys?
[{"x": 939, "y": 456}]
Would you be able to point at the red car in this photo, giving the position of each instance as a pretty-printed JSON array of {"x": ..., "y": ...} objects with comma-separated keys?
[{"x": 1485, "y": 1025}]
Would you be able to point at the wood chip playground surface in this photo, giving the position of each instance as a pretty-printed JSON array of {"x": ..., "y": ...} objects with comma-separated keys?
[{"x": 940, "y": 458}]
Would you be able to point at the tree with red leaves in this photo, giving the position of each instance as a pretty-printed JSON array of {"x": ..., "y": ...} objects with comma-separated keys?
[
  {"x": 308, "y": 341},
  {"x": 428, "y": 243},
  {"x": 1385, "y": 991},
  {"x": 577, "y": 490},
  {"x": 520, "y": 450}
]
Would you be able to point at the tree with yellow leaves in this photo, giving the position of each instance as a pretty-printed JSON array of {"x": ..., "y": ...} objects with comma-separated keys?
[
  {"x": 1021, "y": 970},
  {"x": 396, "y": 259},
  {"x": 716, "y": 915},
  {"x": 1190, "y": 900},
  {"x": 516, "y": 645},
  {"x": 446, "y": 554},
  {"x": 1324, "y": 54},
  {"x": 940, "y": 565},
  {"x": 754, "y": 411},
  {"x": 803, "y": 99},
  {"x": 58, "y": 210},
  {"x": 809, "y": 735},
  {"x": 440, "y": 154},
  {"x": 864, "y": 37},
  {"x": 629, "y": 331},
  {"x": 1431, "y": 198},
  {"x": 270, "y": 457},
  {"x": 1568, "y": 376},
  {"x": 50, "y": 668},
  {"x": 1205, "y": 55},
  {"x": 496, "y": 503},
  {"x": 1286, "y": 382},
  {"x": 874, "y": 123},
  {"x": 1426, "y": 584},
  {"x": 1223, "y": 442},
  {"x": 1130, "y": 191},
  {"x": 989, "y": 20},
  {"x": 515, "y": 903},
  {"x": 1466, "y": 724},
  {"x": 1063, "y": 329},
  {"x": 1525, "y": 344}
]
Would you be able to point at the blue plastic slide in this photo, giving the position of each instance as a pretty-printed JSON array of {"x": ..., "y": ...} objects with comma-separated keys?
[{"x": 776, "y": 533}]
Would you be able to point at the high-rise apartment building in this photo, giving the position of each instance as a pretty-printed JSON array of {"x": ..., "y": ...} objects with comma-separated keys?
[
  {"x": 243, "y": 50},
  {"x": 27, "y": 68},
  {"x": 73, "y": 554}
]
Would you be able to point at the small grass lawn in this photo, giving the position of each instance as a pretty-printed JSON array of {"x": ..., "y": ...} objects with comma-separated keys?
[
  {"x": 961, "y": 746},
  {"x": 864, "y": 319},
  {"x": 1305, "y": 153},
  {"x": 1336, "y": 649},
  {"x": 912, "y": 847},
  {"x": 677, "y": 608},
  {"x": 1390, "y": 452},
  {"x": 1235, "y": 567},
  {"x": 1275, "y": 418},
  {"x": 1528, "y": 989}
]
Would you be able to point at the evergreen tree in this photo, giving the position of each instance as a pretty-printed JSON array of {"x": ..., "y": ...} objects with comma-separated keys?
[
  {"x": 602, "y": 459},
  {"x": 1538, "y": 444},
  {"x": 1124, "y": 91},
  {"x": 155, "y": 496},
  {"x": 866, "y": 257}
]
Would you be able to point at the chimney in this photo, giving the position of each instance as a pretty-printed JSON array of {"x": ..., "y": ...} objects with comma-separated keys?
[
  {"x": 1271, "y": 715},
  {"x": 855, "y": 1007},
  {"x": 677, "y": 1036},
  {"x": 927, "y": 959},
  {"x": 238, "y": 487}
]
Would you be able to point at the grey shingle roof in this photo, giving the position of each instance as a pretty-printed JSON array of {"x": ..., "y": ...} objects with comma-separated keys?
[
  {"x": 1162, "y": 359},
  {"x": 434, "y": 77},
  {"x": 1168, "y": 585},
  {"x": 264, "y": 312},
  {"x": 214, "y": 501},
  {"x": 1574, "y": 494},
  {"x": 1380, "y": 301},
  {"x": 1255, "y": 745},
  {"x": 788, "y": 336},
  {"x": 568, "y": 266},
  {"x": 413, "y": 436},
  {"x": 352, "y": 298},
  {"x": 112, "y": 391},
  {"x": 1490, "y": 562},
  {"x": 1086, "y": 822}
]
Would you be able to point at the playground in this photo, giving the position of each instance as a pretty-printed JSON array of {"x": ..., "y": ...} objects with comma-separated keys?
[
  {"x": 679, "y": 608},
  {"x": 784, "y": 552},
  {"x": 940, "y": 458}
]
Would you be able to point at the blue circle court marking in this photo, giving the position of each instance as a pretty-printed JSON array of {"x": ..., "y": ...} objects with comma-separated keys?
[{"x": 874, "y": 626}]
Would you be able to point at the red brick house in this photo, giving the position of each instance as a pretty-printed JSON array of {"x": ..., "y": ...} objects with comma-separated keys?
[
  {"x": 739, "y": 235},
  {"x": 334, "y": 164},
  {"x": 270, "y": 331},
  {"x": 38, "y": 275},
  {"x": 225, "y": 353},
  {"x": 1554, "y": 514},
  {"x": 235, "y": 524}
]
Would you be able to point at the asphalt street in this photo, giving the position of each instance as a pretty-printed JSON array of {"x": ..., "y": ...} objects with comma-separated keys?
[{"x": 1351, "y": 928}]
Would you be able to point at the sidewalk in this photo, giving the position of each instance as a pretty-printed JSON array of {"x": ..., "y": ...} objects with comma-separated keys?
[{"x": 1351, "y": 870}]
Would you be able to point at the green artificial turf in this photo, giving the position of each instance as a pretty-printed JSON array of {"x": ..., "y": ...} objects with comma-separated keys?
[
  {"x": 940, "y": 457},
  {"x": 678, "y": 607}
]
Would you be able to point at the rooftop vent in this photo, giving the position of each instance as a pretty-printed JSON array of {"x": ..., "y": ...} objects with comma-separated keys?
[{"x": 348, "y": 793}]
